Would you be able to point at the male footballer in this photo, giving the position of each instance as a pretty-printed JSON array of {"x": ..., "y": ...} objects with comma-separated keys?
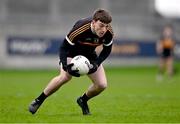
[
  {"x": 85, "y": 36},
  {"x": 165, "y": 48}
]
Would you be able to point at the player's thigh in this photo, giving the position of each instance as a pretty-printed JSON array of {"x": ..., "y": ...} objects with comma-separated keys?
[
  {"x": 162, "y": 61},
  {"x": 99, "y": 77},
  {"x": 65, "y": 75},
  {"x": 170, "y": 61}
]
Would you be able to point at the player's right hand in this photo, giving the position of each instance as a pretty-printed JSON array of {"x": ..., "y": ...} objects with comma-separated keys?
[
  {"x": 72, "y": 72},
  {"x": 93, "y": 68}
]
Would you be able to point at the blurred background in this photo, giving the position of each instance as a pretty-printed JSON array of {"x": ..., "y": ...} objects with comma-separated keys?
[{"x": 31, "y": 31}]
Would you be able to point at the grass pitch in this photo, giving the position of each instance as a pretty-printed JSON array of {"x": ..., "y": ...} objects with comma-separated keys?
[{"x": 133, "y": 95}]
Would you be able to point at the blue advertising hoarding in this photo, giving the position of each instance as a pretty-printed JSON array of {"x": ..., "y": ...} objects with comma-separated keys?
[
  {"x": 129, "y": 48},
  {"x": 35, "y": 46}
]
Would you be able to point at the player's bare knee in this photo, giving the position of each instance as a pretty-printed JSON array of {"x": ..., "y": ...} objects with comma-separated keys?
[
  {"x": 65, "y": 78},
  {"x": 102, "y": 86}
]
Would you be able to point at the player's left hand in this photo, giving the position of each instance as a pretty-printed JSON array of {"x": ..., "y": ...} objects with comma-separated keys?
[
  {"x": 93, "y": 68},
  {"x": 72, "y": 72}
]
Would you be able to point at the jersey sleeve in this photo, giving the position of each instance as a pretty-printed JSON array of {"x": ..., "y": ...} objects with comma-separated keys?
[
  {"x": 76, "y": 31},
  {"x": 109, "y": 38}
]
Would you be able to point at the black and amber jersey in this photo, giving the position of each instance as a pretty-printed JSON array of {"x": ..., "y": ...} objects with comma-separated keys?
[
  {"x": 81, "y": 40},
  {"x": 84, "y": 41},
  {"x": 167, "y": 44}
]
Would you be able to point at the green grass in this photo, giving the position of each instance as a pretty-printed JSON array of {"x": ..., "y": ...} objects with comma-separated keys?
[{"x": 133, "y": 95}]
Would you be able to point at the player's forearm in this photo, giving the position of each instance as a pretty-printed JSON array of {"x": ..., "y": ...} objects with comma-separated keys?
[{"x": 104, "y": 54}]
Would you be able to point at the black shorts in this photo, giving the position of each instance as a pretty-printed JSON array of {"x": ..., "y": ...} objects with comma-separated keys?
[{"x": 166, "y": 53}]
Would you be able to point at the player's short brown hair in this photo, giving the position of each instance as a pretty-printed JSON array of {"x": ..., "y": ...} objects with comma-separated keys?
[{"x": 102, "y": 15}]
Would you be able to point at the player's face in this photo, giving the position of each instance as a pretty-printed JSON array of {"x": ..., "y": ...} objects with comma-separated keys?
[
  {"x": 167, "y": 32},
  {"x": 99, "y": 28}
]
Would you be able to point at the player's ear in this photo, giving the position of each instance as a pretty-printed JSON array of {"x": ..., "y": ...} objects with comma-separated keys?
[{"x": 93, "y": 22}]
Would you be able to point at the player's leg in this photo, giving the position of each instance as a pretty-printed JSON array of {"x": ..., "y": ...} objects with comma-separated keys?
[
  {"x": 161, "y": 68},
  {"x": 170, "y": 66},
  {"x": 52, "y": 86},
  {"x": 162, "y": 65},
  {"x": 99, "y": 84},
  {"x": 57, "y": 82}
]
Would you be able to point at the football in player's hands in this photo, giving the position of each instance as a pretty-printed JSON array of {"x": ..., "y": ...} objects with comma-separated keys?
[{"x": 72, "y": 71}]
